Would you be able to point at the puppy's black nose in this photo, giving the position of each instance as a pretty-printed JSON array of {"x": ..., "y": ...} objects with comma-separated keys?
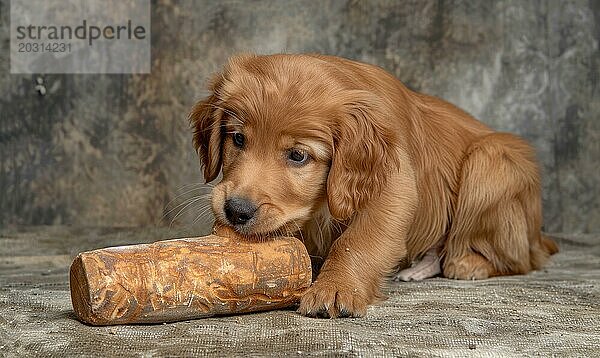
[{"x": 239, "y": 210}]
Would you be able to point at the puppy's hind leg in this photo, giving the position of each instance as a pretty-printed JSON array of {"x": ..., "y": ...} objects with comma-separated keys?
[{"x": 496, "y": 226}]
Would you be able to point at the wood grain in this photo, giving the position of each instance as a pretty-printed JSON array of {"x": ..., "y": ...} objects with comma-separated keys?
[{"x": 189, "y": 278}]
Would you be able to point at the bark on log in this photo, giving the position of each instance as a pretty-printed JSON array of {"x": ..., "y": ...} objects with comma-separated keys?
[{"x": 190, "y": 278}]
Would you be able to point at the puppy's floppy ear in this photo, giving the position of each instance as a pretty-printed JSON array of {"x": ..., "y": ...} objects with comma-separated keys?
[
  {"x": 364, "y": 153},
  {"x": 205, "y": 119}
]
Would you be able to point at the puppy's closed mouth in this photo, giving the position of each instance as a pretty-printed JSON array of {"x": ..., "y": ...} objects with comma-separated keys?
[
  {"x": 230, "y": 231},
  {"x": 244, "y": 232}
]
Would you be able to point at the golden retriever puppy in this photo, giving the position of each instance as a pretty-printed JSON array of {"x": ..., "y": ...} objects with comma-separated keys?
[{"x": 370, "y": 174}]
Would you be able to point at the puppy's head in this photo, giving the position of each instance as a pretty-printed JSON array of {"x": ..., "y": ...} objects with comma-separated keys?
[{"x": 290, "y": 137}]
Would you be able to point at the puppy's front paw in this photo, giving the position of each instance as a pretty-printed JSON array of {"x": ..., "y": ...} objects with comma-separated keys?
[{"x": 330, "y": 299}]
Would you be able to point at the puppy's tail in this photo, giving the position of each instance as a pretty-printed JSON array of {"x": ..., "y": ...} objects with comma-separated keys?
[
  {"x": 549, "y": 245},
  {"x": 541, "y": 251}
]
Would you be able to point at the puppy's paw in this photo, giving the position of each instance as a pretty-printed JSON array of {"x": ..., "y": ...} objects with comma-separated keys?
[
  {"x": 428, "y": 266},
  {"x": 471, "y": 267},
  {"x": 330, "y": 299}
]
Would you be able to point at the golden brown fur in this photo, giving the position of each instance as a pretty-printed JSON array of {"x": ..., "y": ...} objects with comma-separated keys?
[{"x": 390, "y": 175}]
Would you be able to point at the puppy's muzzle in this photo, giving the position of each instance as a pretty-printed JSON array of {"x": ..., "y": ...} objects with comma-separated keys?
[{"x": 239, "y": 211}]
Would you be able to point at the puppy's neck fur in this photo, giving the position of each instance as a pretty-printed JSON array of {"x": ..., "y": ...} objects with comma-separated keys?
[{"x": 321, "y": 231}]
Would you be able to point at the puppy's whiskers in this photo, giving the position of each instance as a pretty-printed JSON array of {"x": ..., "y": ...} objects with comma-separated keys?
[
  {"x": 204, "y": 214},
  {"x": 187, "y": 204},
  {"x": 180, "y": 192}
]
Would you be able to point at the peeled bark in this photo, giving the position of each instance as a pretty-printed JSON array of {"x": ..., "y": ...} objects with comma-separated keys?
[{"x": 184, "y": 279}]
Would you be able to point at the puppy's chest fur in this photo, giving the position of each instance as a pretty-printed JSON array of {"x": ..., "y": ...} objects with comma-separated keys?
[{"x": 320, "y": 232}]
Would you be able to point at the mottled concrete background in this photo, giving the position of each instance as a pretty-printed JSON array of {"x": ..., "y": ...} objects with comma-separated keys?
[{"x": 115, "y": 149}]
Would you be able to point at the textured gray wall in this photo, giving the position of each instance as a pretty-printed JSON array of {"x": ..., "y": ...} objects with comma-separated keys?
[{"x": 115, "y": 149}]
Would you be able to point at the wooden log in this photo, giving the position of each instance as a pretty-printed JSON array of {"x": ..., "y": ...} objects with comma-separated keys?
[{"x": 189, "y": 278}]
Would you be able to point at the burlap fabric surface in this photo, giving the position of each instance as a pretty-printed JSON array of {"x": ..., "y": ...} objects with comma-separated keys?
[{"x": 551, "y": 312}]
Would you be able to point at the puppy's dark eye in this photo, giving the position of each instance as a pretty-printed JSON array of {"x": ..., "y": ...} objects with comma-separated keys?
[
  {"x": 238, "y": 139},
  {"x": 298, "y": 157}
]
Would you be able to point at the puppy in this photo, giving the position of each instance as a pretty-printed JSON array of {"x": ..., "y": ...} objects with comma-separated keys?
[{"x": 370, "y": 174}]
